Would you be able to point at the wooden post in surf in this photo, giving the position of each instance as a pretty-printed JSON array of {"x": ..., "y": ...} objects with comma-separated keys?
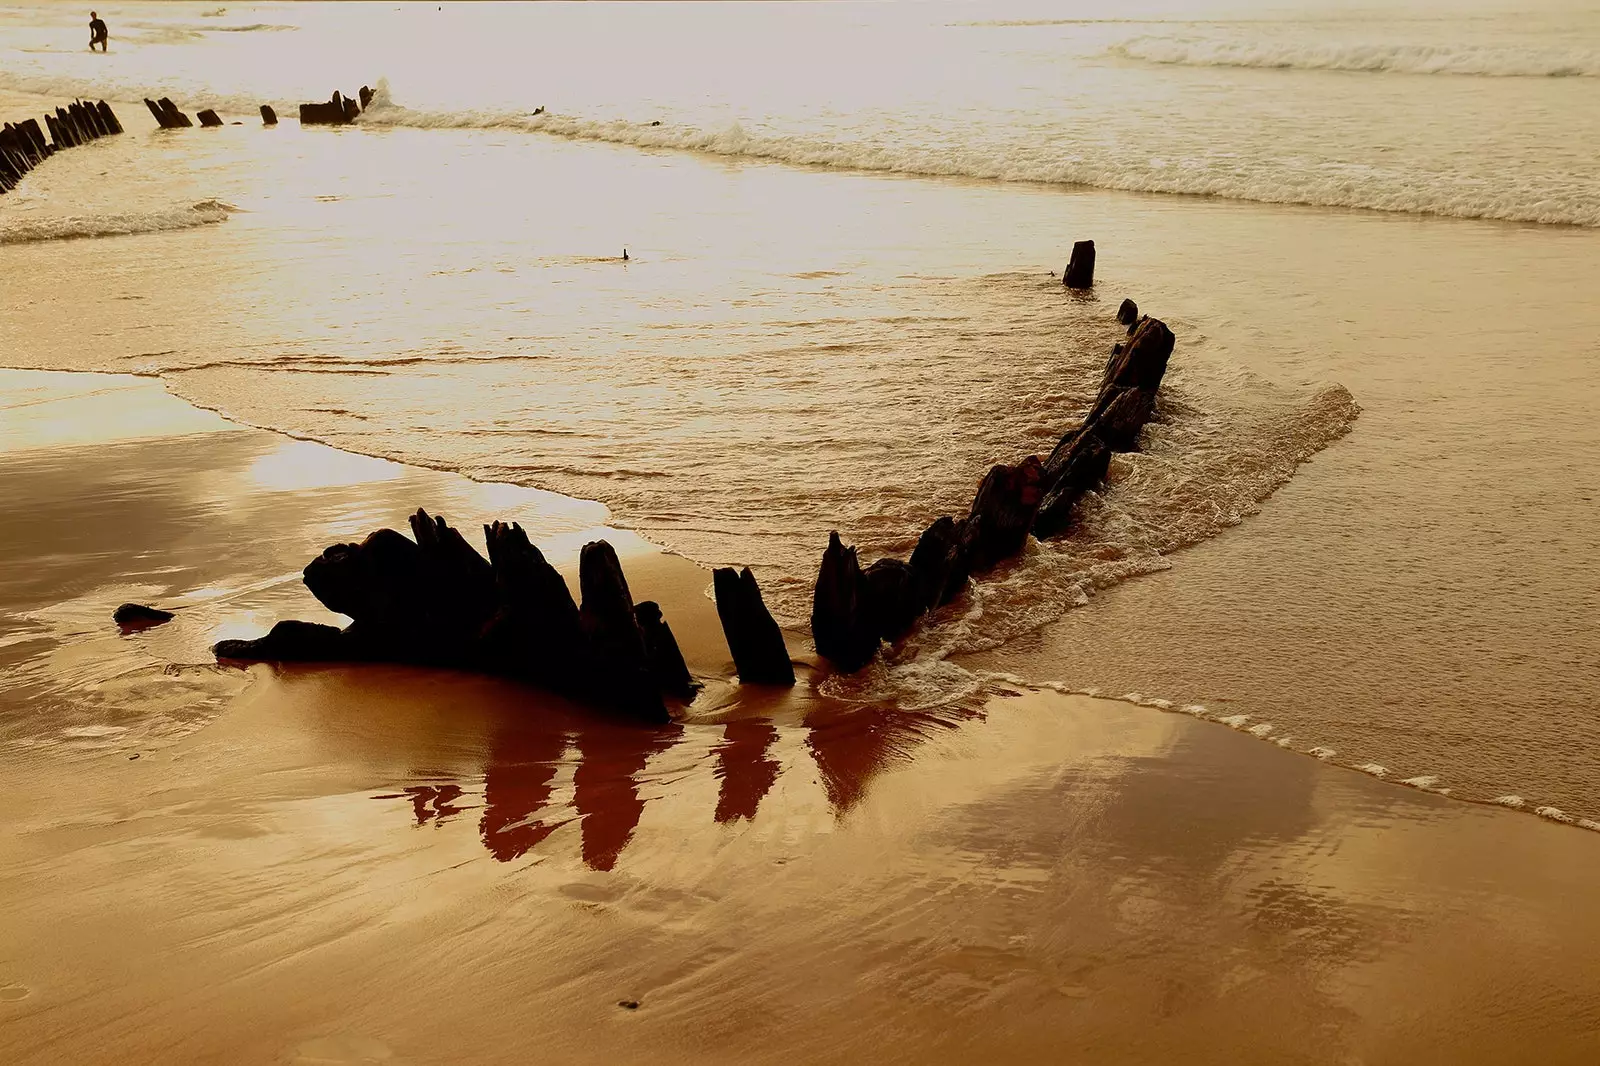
[{"x": 1080, "y": 268}]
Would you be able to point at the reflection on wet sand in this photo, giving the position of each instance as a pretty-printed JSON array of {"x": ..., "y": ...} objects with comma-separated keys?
[
  {"x": 605, "y": 786},
  {"x": 851, "y": 746},
  {"x": 517, "y": 785},
  {"x": 744, "y": 770},
  {"x": 609, "y": 762}
]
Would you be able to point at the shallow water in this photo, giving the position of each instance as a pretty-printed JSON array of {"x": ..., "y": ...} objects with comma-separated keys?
[{"x": 793, "y": 349}]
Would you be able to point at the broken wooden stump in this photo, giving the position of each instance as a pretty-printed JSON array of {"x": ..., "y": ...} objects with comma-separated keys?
[
  {"x": 615, "y": 638},
  {"x": 760, "y": 655},
  {"x": 1002, "y": 513},
  {"x": 1128, "y": 314},
  {"x": 894, "y": 598},
  {"x": 671, "y": 673},
  {"x": 1079, "y": 273},
  {"x": 366, "y": 95},
  {"x": 534, "y": 632},
  {"x": 208, "y": 119},
  {"x": 175, "y": 119},
  {"x": 435, "y": 601},
  {"x": 269, "y": 117},
  {"x": 842, "y": 622},
  {"x": 338, "y": 111},
  {"x": 939, "y": 562}
]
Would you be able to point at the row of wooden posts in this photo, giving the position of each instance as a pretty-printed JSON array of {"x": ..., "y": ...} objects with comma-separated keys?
[
  {"x": 340, "y": 110},
  {"x": 23, "y": 145}
]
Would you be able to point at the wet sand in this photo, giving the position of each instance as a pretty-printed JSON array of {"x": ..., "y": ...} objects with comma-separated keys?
[{"x": 374, "y": 864}]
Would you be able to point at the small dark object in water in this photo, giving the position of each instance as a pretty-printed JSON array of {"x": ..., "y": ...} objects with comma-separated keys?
[
  {"x": 628, "y": 1004},
  {"x": 657, "y": 122},
  {"x": 1080, "y": 268},
  {"x": 208, "y": 119},
  {"x": 138, "y": 616},
  {"x": 759, "y": 653},
  {"x": 366, "y": 96},
  {"x": 624, "y": 255},
  {"x": 1128, "y": 313},
  {"x": 269, "y": 117},
  {"x": 539, "y": 110}
]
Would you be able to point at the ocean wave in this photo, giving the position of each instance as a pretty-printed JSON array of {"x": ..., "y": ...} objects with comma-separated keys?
[
  {"x": 1130, "y": 171},
  {"x": 1380, "y": 58},
  {"x": 29, "y": 230}
]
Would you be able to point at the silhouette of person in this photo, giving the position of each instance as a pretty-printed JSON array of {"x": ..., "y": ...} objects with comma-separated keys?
[{"x": 97, "y": 32}]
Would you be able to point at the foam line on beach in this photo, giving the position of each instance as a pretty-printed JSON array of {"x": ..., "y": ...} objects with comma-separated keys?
[
  {"x": 33, "y": 229},
  {"x": 1240, "y": 723}
]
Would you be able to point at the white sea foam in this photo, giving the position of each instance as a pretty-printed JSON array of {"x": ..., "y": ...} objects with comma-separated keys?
[
  {"x": 1365, "y": 57},
  {"x": 28, "y": 229},
  {"x": 999, "y": 159}
]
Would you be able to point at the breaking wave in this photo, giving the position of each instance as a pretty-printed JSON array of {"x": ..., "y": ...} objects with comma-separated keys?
[
  {"x": 29, "y": 230},
  {"x": 1131, "y": 169},
  {"x": 1472, "y": 60}
]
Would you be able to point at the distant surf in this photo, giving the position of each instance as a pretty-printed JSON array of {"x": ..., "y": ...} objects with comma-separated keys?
[{"x": 1377, "y": 58}]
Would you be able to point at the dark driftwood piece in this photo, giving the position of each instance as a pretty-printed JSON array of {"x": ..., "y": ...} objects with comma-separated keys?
[
  {"x": 434, "y": 600},
  {"x": 269, "y": 117},
  {"x": 759, "y": 653},
  {"x": 1080, "y": 268},
  {"x": 208, "y": 119}
]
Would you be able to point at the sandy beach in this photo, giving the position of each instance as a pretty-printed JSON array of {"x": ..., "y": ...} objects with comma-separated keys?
[
  {"x": 352, "y": 864},
  {"x": 1163, "y": 438}
]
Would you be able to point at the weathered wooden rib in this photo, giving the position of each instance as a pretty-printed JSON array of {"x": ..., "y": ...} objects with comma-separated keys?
[{"x": 853, "y": 610}]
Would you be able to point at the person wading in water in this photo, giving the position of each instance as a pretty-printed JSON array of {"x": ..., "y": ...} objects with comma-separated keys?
[{"x": 97, "y": 32}]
